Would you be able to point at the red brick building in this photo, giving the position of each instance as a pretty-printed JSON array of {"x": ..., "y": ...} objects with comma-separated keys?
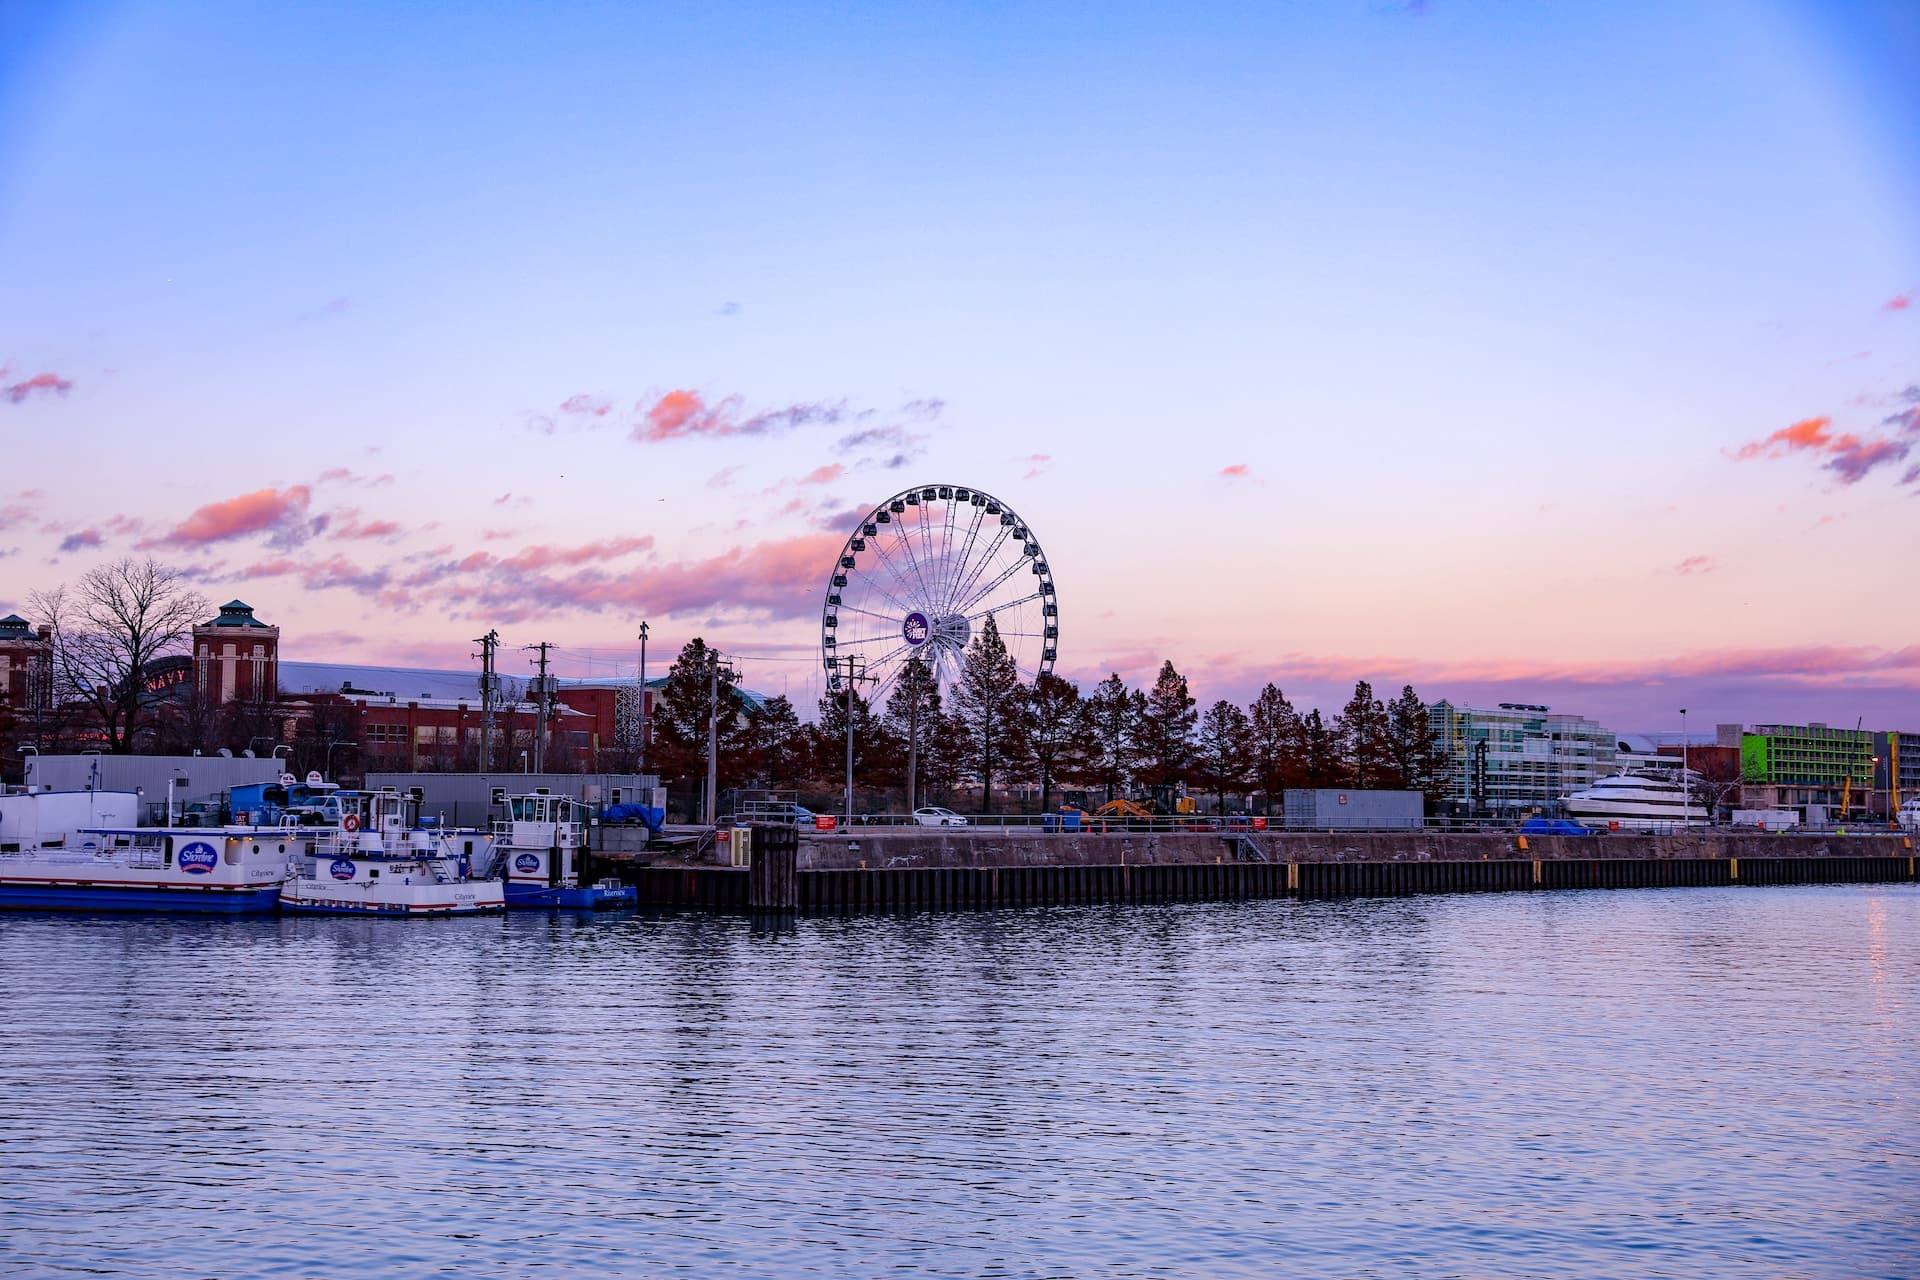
[
  {"x": 26, "y": 663},
  {"x": 236, "y": 657}
]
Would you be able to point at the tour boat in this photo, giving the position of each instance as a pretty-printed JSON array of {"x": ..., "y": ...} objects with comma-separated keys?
[
  {"x": 1639, "y": 800},
  {"x": 85, "y": 851},
  {"x": 534, "y": 848},
  {"x": 378, "y": 859}
]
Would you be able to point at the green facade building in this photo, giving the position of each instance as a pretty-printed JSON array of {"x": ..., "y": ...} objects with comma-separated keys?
[{"x": 1807, "y": 764}]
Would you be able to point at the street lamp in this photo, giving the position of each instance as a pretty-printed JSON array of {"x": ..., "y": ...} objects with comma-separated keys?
[
  {"x": 640, "y": 765},
  {"x": 1686, "y": 779}
]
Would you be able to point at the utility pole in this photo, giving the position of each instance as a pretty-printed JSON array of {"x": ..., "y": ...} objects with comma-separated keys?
[
  {"x": 713, "y": 732},
  {"x": 540, "y": 710},
  {"x": 641, "y": 765},
  {"x": 489, "y": 644},
  {"x": 856, "y": 671}
]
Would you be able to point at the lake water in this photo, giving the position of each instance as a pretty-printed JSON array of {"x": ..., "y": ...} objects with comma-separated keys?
[{"x": 1648, "y": 1083}]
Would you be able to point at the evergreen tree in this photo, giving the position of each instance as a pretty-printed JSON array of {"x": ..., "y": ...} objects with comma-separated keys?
[
  {"x": 776, "y": 745},
  {"x": 913, "y": 712},
  {"x": 1053, "y": 732},
  {"x": 1320, "y": 751},
  {"x": 874, "y": 749},
  {"x": 1112, "y": 715},
  {"x": 1224, "y": 750},
  {"x": 1166, "y": 730},
  {"x": 1365, "y": 747},
  {"x": 680, "y": 712},
  {"x": 987, "y": 704},
  {"x": 1276, "y": 746},
  {"x": 1415, "y": 754}
]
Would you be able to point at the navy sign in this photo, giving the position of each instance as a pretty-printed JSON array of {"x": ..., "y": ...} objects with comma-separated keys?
[
  {"x": 198, "y": 858},
  {"x": 527, "y": 862},
  {"x": 341, "y": 869},
  {"x": 915, "y": 629}
]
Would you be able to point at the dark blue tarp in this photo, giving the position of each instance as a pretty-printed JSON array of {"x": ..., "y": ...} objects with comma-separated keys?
[
  {"x": 644, "y": 814},
  {"x": 1554, "y": 827}
]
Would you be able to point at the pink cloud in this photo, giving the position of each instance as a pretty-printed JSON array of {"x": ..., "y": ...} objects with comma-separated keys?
[
  {"x": 264, "y": 509},
  {"x": 824, "y": 475},
  {"x": 591, "y": 406},
  {"x": 51, "y": 383},
  {"x": 1899, "y": 302},
  {"x": 356, "y": 529},
  {"x": 1853, "y": 463},
  {"x": 83, "y": 539},
  {"x": 1848, "y": 456},
  {"x": 343, "y": 475},
  {"x": 1238, "y": 471},
  {"x": 683, "y": 414},
  {"x": 545, "y": 557},
  {"x": 1697, "y": 564},
  {"x": 1808, "y": 433}
]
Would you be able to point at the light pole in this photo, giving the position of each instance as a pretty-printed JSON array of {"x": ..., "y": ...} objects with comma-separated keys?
[
  {"x": 1686, "y": 780},
  {"x": 331, "y": 748},
  {"x": 854, "y": 675}
]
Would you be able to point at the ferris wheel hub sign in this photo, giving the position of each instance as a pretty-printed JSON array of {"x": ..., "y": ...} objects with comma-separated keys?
[{"x": 916, "y": 629}]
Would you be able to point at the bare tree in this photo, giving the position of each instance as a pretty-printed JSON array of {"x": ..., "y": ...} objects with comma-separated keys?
[{"x": 108, "y": 630}]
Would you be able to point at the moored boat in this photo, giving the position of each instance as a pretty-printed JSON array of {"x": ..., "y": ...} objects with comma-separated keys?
[
  {"x": 378, "y": 860},
  {"x": 534, "y": 848},
  {"x": 1639, "y": 800},
  {"x": 84, "y": 851}
]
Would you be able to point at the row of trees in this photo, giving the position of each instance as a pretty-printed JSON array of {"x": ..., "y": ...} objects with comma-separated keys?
[{"x": 990, "y": 732}]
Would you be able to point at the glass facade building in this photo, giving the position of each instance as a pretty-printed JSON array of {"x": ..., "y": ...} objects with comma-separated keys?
[{"x": 1507, "y": 760}]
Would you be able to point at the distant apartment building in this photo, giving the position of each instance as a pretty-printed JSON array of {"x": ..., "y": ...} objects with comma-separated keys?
[
  {"x": 1897, "y": 767},
  {"x": 1792, "y": 766},
  {"x": 1518, "y": 756}
]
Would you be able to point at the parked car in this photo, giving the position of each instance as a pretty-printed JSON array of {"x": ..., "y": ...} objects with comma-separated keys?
[{"x": 934, "y": 816}]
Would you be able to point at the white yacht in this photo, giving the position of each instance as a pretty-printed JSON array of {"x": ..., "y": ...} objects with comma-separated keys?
[
  {"x": 378, "y": 860},
  {"x": 1909, "y": 815},
  {"x": 1640, "y": 800}
]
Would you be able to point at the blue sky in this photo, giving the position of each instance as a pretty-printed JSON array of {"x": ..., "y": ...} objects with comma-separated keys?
[{"x": 1484, "y": 299}]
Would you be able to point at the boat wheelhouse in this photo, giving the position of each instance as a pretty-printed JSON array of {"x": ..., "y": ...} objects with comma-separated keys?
[{"x": 377, "y": 858}]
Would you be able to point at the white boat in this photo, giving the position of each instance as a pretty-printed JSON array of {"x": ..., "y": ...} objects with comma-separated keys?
[
  {"x": 85, "y": 851},
  {"x": 1640, "y": 800},
  {"x": 378, "y": 860},
  {"x": 1909, "y": 814},
  {"x": 534, "y": 850}
]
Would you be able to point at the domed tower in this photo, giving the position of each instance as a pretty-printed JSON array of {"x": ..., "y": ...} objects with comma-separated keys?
[
  {"x": 236, "y": 657},
  {"x": 26, "y": 657}
]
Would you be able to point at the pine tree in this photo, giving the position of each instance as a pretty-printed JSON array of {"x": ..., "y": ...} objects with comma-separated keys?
[
  {"x": 987, "y": 705},
  {"x": 1320, "y": 750},
  {"x": 1414, "y": 753},
  {"x": 873, "y": 747},
  {"x": 1113, "y": 714},
  {"x": 1054, "y": 739},
  {"x": 913, "y": 711},
  {"x": 680, "y": 718},
  {"x": 1225, "y": 748},
  {"x": 1167, "y": 730},
  {"x": 1363, "y": 743},
  {"x": 776, "y": 745},
  {"x": 1277, "y": 746}
]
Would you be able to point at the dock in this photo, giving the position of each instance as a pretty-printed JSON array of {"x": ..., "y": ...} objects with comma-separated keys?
[{"x": 890, "y": 871}]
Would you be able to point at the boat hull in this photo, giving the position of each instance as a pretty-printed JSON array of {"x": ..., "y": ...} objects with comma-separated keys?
[
  {"x": 540, "y": 897},
  {"x": 32, "y": 895}
]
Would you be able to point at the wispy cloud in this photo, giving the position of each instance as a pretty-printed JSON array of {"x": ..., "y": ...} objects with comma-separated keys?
[
  {"x": 889, "y": 447},
  {"x": 1850, "y": 457},
  {"x": 724, "y": 477},
  {"x": 1238, "y": 471},
  {"x": 344, "y": 475},
  {"x": 686, "y": 414},
  {"x": 82, "y": 540},
  {"x": 1697, "y": 564},
  {"x": 586, "y": 406},
  {"x": 1899, "y": 302},
  {"x": 1037, "y": 464},
  {"x": 824, "y": 475},
  {"x": 48, "y": 383}
]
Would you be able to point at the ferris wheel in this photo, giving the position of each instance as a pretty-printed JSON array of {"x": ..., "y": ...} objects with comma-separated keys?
[{"x": 921, "y": 574}]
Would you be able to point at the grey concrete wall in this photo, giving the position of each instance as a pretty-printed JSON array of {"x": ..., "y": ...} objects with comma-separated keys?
[{"x": 932, "y": 848}]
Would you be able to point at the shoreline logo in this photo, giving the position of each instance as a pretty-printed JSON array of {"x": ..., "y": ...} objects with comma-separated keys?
[
  {"x": 527, "y": 863},
  {"x": 341, "y": 869},
  {"x": 916, "y": 629},
  {"x": 198, "y": 858}
]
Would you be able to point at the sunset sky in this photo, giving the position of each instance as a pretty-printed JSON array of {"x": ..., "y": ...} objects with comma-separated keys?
[{"x": 1545, "y": 353}]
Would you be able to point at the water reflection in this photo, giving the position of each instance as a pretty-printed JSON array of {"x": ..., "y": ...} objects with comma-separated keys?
[{"x": 1692, "y": 1082}]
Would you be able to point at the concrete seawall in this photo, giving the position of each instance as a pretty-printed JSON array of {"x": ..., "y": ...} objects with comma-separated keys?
[
  {"x": 919, "y": 871},
  {"x": 932, "y": 848}
]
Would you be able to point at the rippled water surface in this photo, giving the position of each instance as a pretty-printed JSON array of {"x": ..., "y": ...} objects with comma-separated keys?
[{"x": 1657, "y": 1083}]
